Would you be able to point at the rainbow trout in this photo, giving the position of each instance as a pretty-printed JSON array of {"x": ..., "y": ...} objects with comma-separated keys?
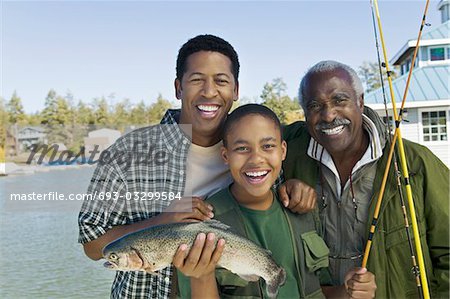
[{"x": 153, "y": 249}]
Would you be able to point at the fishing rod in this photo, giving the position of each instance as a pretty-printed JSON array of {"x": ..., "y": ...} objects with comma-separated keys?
[
  {"x": 415, "y": 268},
  {"x": 421, "y": 272}
]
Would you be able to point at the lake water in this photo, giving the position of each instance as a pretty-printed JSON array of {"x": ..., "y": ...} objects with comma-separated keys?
[{"x": 39, "y": 253}]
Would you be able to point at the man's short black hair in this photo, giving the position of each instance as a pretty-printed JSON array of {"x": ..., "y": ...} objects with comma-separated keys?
[
  {"x": 249, "y": 109},
  {"x": 207, "y": 42}
]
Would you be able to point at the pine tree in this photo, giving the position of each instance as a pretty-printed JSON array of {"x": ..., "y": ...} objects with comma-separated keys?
[
  {"x": 157, "y": 110},
  {"x": 138, "y": 114},
  {"x": 4, "y": 118},
  {"x": 15, "y": 110},
  {"x": 121, "y": 115},
  {"x": 274, "y": 96},
  {"x": 101, "y": 112},
  {"x": 369, "y": 72}
]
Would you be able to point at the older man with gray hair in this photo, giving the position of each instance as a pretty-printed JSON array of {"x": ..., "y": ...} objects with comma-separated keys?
[{"x": 341, "y": 151}]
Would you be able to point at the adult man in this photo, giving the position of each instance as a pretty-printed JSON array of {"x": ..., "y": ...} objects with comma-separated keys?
[
  {"x": 207, "y": 84},
  {"x": 342, "y": 151}
]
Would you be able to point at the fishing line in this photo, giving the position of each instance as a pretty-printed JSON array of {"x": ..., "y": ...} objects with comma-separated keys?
[{"x": 421, "y": 272}]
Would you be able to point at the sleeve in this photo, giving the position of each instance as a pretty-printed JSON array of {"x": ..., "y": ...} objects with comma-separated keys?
[
  {"x": 294, "y": 130},
  {"x": 184, "y": 286},
  {"x": 101, "y": 207},
  {"x": 436, "y": 207}
]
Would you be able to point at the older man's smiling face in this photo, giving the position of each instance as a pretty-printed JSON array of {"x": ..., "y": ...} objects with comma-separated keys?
[{"x": 334, "y": 111}]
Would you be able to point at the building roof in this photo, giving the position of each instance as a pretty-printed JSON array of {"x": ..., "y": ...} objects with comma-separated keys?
[
  {"x": 34, "y": 128},
  {"x": 430, "y": 83},
  {"x": 436, "y": 36},
  {"x": 442, "y": 3},
  {"x": 440, "y": 32},
  {"x": 104, "y": 132}
]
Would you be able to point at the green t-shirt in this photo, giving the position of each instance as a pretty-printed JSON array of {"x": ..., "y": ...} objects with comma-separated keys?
[{"x": 270, "y": 230}]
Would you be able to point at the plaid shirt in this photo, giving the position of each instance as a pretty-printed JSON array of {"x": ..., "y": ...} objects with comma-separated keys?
[{"x": 125, "y": 171}]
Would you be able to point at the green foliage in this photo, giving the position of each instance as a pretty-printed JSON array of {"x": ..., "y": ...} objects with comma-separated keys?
[
  {"x": 156, "y": 110},
  {"x": 120, "y": 116},
  {"x": 33, "y": 119},
  {"x": 139, "y": 114},
  {"x": 369, "y": 72},
  {"x": 15, "y": 110},
  {"x": 4, "y": 117},
  {"x": 69, "y": 123},
  {"x": 84, "y": 114},
  {"x": 57, "y": 110},
  {"x": 274, "y": 96},
  {"x": 101, "y": 112}
]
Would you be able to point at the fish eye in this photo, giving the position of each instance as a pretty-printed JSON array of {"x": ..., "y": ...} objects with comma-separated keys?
[{"x": 113, "y": 256}]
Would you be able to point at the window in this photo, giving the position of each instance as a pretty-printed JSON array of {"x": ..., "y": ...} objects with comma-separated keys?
[
  {"x": 438, "y": 54},
  {"x": 434, "y": 124},
  {"x": 405, "y": 67}
]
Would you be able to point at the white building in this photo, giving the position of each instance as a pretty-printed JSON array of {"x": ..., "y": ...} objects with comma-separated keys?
[
  {"x": 99, "y": 140},
  {"x": 29, "y": 136},
  {"x": 427, "y": 106}
]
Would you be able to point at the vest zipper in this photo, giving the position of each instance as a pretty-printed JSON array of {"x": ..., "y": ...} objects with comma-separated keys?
[{"x": 339, "y": 205}]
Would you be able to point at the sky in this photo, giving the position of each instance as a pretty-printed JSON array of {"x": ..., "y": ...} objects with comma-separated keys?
[{"x": 128, "y": 49}]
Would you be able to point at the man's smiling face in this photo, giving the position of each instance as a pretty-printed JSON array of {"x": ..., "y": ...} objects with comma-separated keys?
[
  {"x": 333, "y": 111},
  {"x": 207, "y": 91}
]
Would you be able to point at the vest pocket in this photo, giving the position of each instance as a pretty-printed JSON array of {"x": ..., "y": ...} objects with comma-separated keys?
[
  {"x": 232, "y": 286},
  {"x": 316, "y": 251},
  {"x": 399, "y": 262},
  {"x": 226, "y": 278},
  {"x": 316, "y": 295}
]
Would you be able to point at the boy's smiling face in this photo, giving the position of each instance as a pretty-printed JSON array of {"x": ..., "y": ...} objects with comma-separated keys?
[{"x": 254, "y": 153}]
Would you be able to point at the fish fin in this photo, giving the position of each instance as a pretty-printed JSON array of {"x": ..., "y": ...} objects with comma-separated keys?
[
  {"x": 153, "y": 273},
  {"x": 217, "y": 224},
  {"x": 249, "y": 277},
  {"x": 274, "y": 284}
]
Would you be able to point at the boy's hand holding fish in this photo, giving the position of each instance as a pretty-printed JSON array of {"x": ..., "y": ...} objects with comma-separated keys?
[{"x": 203, "y": 256}]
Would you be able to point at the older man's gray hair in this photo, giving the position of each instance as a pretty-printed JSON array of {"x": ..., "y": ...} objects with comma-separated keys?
[{"x": 329, "y": 66}]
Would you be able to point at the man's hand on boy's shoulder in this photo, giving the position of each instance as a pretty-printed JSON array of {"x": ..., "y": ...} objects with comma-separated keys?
[
  {"x": 297, "y": 196},
  {"x": 188, "y": 210}
]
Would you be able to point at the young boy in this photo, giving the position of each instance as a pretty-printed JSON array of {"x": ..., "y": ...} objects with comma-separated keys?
[{"x": 254, "y": 150}]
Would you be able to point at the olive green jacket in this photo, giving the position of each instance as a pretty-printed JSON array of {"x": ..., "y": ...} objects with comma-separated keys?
[
  {"x": 311, "y": 254},
  {"x": 390, "y": 258}
]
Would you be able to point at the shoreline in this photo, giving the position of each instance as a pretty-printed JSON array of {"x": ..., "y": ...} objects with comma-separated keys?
[{"x": 10, "y": 169}]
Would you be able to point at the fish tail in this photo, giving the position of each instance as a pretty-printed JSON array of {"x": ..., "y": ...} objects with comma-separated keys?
[{"x": 274, "y": 284}]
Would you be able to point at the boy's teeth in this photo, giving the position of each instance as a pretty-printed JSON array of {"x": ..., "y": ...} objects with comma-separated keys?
[
  {"x": 333, "y": 131},
  {"x": 256, "y": 173},
  {"x": 208, "y": 108}
]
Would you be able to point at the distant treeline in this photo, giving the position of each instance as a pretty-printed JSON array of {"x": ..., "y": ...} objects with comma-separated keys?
[{"x": 71, "y": 120}]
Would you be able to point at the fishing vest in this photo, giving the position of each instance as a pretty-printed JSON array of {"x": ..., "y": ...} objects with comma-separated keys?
[
  {"x": 311, "y": 253},
  {"x": 390, "y": 260}
]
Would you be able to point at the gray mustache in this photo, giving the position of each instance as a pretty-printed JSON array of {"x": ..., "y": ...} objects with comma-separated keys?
[{"x": 336, "y": 122}]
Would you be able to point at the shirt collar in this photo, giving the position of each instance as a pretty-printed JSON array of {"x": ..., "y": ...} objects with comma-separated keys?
[
  {"x": 171, "y": 132},
  {"x": 171, "y": 117},
  {"x": 374, "y": 150}
]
